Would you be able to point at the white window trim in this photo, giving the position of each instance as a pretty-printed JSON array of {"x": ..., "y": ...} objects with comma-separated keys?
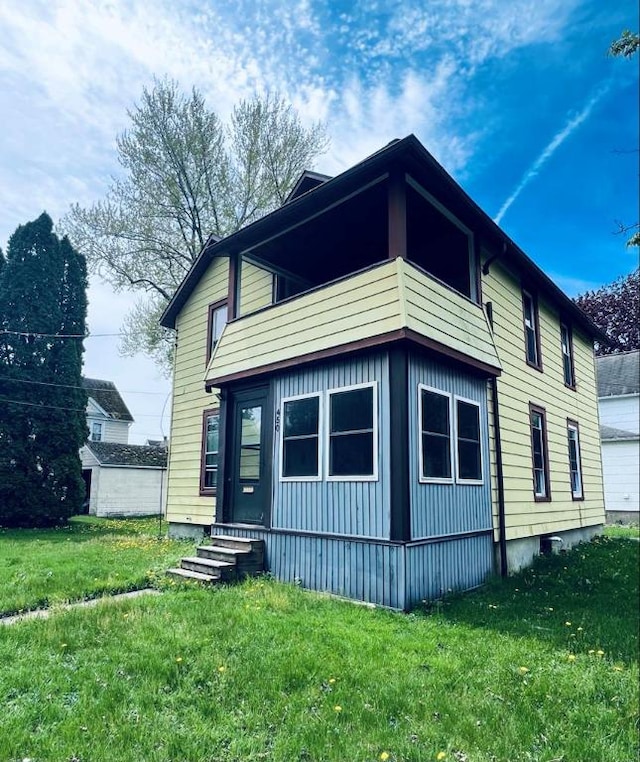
[
  {"x": 541, "y": 429},
  {"x": 468, "y": 401},
  {"x": 293, "y": 398},
  {"x": 532, "y": 326},
  {"x": 101, "y": 431},
  {"x": 576, "y": 495},
  {"x": 564, "y": 328},
  {"x": 327, "y": 433},
  {"x": 422, "y": 478}
]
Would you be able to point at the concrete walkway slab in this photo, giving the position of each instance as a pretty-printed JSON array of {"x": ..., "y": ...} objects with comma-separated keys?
[{"x": 46, "y": 613}]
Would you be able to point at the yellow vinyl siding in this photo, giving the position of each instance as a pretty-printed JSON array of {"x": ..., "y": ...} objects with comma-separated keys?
[
  {"x": 520, "y": 385},
  {"x": 445, "y": 316},
  {"x": 256, "y": 288},
  {"x": 184, "y": 503},
  {"x": 391, "y": 296},
  {"x": 355, "y": 308}
]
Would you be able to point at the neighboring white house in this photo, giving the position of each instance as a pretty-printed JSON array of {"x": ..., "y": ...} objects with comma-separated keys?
[
  {"x": 619, "y": 406},
  {"x": 121, "y": 479},
  {"x": 126, "y": 479}
]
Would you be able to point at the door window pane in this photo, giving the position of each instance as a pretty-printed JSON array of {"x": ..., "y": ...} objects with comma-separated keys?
[
  {"x": 209, "y": 466},
  {"x": 250, "y": 428}
]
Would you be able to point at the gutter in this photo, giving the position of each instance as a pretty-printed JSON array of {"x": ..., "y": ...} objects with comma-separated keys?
[{"x": 502, "y": 531}]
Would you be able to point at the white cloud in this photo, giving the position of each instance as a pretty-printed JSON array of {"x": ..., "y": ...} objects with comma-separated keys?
[{"x": 549, "y": 150}]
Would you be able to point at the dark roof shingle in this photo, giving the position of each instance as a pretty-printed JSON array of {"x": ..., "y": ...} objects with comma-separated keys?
[
  {"x": 116, "y": 454},
  {"x": 609, "y": 433},
  {"x": 618, "y": 374},
  {"x": 108, "y": 397}
]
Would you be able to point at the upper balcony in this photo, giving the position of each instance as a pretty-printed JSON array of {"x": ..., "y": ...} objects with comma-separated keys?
[{"x": 384, "y": 303}]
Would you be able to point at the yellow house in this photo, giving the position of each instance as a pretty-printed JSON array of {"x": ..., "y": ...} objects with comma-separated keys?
[{"x": 376, "y": 382}]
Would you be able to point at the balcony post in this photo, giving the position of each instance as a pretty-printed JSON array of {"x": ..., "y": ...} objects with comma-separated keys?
[{"x": 397, "y": 207}]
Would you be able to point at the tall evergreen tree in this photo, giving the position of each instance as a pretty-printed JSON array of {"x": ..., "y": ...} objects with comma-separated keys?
[{"x": 42, "y": 405}]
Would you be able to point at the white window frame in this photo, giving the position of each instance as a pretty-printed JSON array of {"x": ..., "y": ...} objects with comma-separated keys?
[
  {"x": 476, "y": 404},
  {"x": 572, "y": 427},
  {"x": 99, "y": 424},
  {"x": 327, "y": 433},
  {"x": 532, "y": 325},
  {"x": 293, "y": 398},
  {"x": 422, "y": 478},
  {"x": 566, "y": 350}
]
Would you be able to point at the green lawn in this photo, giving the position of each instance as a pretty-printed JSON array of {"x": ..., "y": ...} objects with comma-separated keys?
[
  {"x": 87, "y": 558},
  {"x": 542, "y": 667}
]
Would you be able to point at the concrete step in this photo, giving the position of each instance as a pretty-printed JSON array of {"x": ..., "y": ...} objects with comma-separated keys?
[
  {"x": 220, "y": 553},
  {"x": 205, "y": 579},
  {"x": 226, "y": 541},
  {"x": 219, "y": 569}
]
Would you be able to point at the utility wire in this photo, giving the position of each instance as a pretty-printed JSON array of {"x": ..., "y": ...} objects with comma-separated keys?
[
  {"x": 34, "y": 334},
  {"x": 70, "y": 409},
  {"x": 71, "y": 386}
]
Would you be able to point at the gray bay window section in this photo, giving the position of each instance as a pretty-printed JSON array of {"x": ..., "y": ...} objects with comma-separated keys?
[
  {"x": 468, "y": 441},
  {"x": 351, "y": 432},
  {"x": 300, "y": 437},
  {"x": 435, "y": 434}
]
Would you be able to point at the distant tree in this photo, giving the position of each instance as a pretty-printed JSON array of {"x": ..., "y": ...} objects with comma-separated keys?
[
  {"x": 186, "y": 175},
  {"x": 626, "y": 46},
  {"x": 42, "y": 405},
  {"x": 615, "y": 309}
]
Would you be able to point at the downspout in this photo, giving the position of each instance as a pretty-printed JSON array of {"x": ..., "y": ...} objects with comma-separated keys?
[{"x": 502, "y": 532}]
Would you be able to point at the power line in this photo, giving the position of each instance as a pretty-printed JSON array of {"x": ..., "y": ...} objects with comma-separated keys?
[
  {"x": 69, "y": 409},
  {"x": 36, "y": 335},
  {"x": 71, "y": 386}
]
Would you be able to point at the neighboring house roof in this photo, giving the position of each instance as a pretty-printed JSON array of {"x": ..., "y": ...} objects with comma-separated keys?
[
  {"x": 116, "y": 454},
  {"x": 609, "y": 433},
  {"x": 403, "y": 155},
  {"x": 618, "y": 374},
  {"x": 108, "y": 398}
]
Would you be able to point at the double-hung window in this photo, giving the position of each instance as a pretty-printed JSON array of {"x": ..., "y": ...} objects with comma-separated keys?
[
  {"x": 531, "y": 330},
  {"x": 575, "y": 465},
  {"x": 468, "y": 450},
  {"x": 449, "y": 433},
  {"x": 540, "y": 454},
  {"x": 96, "y": 432},
  {"x": 300, "y": 441},
  {"x": 566, "y": 346},
  {"x": 435, "y": 435},
  {"x": 210, "y": 448},
  {"x": 352, "y": 433},
  {"x": 216, "y": 322}
]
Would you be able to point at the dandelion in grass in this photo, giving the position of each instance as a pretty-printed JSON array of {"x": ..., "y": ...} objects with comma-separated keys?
[
  {"x": 523, "y": 670},
  {"x": 591, "y": 651},
  {"x": 337, "y": 708},
  {"x": 571, "y": 657},
  {"x": 567, "y": 624},
  {"x": 178, "y": 659},
  {"x": 385, "y": 756},
  {"x": 63, "y": 645},
  {"x": 332, "y": 680},
  {"x": 222, "y": 668},
  {"x": 617, "y": 668},
  {"x": 600, "y": 653},
  {"x": 580, "y": 629},
  {"x": 441, "y": 755}
]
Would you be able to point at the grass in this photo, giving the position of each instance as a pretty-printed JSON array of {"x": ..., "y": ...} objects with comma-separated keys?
[
  {"x": 88, "y": 558},
  {"x": 622, "y": 530},
  {"x": 264, "y": 671}
]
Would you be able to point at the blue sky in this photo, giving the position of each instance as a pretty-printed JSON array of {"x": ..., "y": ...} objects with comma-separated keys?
[{"x": 517, "y": 99}]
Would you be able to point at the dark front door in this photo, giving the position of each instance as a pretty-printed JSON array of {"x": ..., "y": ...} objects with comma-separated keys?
[{"x": 251, "y": 457}]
